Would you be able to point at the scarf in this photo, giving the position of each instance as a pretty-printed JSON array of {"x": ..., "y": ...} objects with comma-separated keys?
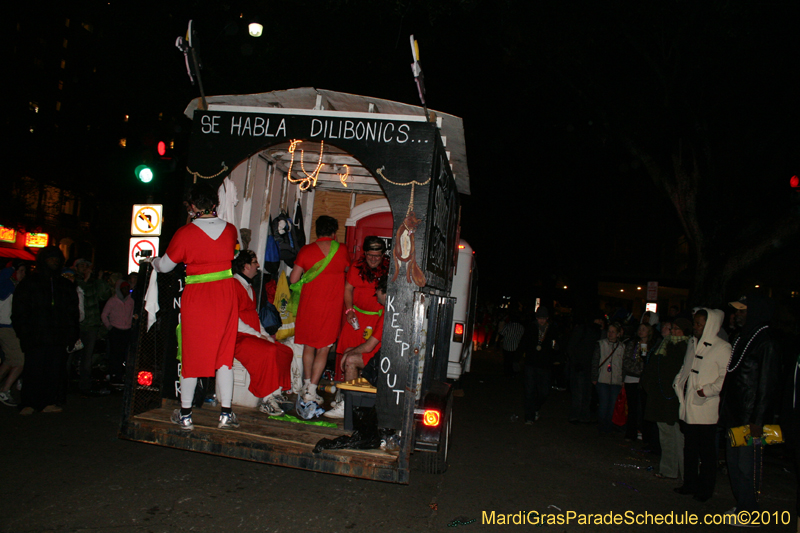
[{"x": 370, "y": 274}]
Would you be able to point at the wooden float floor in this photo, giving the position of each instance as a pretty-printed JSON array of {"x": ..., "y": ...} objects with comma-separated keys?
[{"x": 262, "y": 439}]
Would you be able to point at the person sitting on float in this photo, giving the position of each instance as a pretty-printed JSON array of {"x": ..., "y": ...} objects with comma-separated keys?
[{"x": 268, "y": 362}]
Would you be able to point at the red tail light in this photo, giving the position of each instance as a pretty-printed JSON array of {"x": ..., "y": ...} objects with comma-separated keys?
[
  {"x": 145, "y": 379},
  {"x": 458, "y": 332},
  {"x": 431, "y": 418}
]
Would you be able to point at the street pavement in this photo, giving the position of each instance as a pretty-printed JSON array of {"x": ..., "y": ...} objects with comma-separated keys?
[{"x": 69, "y": 472}]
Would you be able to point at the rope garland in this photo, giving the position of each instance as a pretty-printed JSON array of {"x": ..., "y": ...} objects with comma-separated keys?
[
  {"x": 412, "y": 183},
  {"x": 198, "y": 175}
]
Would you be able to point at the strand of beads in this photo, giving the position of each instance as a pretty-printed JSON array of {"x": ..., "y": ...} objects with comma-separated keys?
[{"x": 746, "y": 346}]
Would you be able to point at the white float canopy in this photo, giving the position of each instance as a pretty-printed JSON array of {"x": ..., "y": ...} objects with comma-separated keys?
[{"x": 309, "y": 98}]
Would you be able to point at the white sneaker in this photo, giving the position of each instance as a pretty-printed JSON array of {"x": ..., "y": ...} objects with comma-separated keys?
[
  {"x": 280, "y": 397},
  {"x": 270, "y": 406},
  {"x": 7, "y": 399},
  {"x": 185, "y": 422},
  {"x": 337, "y": 410},
  {"x": 309, "y": 397},
  {"x": 228, "y": 420}
]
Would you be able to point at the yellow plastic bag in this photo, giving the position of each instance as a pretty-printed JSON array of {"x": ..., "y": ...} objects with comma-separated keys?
[
  {"x": 740, "y": 436},
  {"x": 282, "y": 297}
]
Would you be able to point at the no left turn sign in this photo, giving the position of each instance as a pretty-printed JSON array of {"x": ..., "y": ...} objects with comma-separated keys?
[{"x": 146, "y": 221}]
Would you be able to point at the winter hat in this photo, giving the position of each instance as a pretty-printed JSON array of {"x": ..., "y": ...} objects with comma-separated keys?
[{"x": 685, "y": 325}]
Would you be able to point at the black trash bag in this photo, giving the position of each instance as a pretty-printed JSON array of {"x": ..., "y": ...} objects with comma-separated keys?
[
  {"x": 365, "y": 435},
  {"x": 370, "y": 370}
]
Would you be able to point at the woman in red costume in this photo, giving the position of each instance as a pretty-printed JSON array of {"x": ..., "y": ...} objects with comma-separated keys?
[
  {"x": 362, "y": 309},
  {"x": 319, "y": 273},
  {"x": 208, "y": 303},
  {"x": 267, "y": 361}
]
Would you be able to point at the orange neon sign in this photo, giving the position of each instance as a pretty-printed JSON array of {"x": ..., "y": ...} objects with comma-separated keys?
[
  {"x": 36, "y": 240},
  {"x": 8, "y": 234}
]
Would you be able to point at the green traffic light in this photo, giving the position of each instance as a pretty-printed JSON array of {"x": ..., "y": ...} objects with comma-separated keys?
[{"x": 144, "y": 173}]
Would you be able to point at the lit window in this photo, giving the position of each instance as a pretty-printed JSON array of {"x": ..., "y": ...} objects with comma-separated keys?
[
  {"x": 33, "y": 106},
  {"x": 88, "y": 27},
  {"x": 58, "y": 106},
  {"x": 123, "y": 142},
  {"x": 63, "y": 63},
  {"x": 65, "y": 43},
  {"x": 172, "y": 144},
  {"x": 161, "y": 116},
  {"x": 66, "y": 23},
  {"x": 60, "y": 85}
]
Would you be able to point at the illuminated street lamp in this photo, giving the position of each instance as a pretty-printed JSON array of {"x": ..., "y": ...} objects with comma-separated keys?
[{"x": 255, "y": 29}]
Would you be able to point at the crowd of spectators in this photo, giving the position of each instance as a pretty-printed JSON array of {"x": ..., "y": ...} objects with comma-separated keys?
[
  {"x": 677, "y": 386},
  {"x": 53, "y": 319}
]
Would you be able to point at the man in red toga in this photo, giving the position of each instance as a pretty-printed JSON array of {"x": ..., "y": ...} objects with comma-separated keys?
[
  {"x": 318, "y": 277},
  {"x": 268, "y": 361},
  {"x": 208, "y": 304}
]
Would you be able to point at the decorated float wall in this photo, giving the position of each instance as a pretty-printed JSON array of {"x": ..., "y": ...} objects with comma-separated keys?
[{"x": 408, "y": 160}]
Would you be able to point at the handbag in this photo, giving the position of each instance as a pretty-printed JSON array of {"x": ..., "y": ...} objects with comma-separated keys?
[
  {"x": 282, "y": 297},
  {"x": 634, "y": 365},
  {"x": 770, "y": 434}
]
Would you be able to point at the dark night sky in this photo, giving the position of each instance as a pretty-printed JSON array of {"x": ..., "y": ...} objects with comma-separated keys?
[{"x": 547, "y": 91}]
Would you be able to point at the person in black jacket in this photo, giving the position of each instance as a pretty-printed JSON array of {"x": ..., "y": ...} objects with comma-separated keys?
[
  {"x": 45, "y": 317},
  {"x": 540, "y": 347},
  {"x": 750, "y": 388},
  {"x": 580, "y": 349}
]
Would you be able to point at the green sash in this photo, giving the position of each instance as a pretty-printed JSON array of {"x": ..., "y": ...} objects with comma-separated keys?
[
  {"x": 309, "y": 276},
  {"x": 379, "y": 312},
  {"x": 211, "y": 276},
  {"x": 200, "y": 278}
]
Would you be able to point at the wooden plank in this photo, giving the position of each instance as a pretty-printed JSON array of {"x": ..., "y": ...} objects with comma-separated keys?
[
  {"x": 253, "y": 422},
  {"x": 334, "y": 204},
  {"x": 262, "y": 440},
  {"x": 364, "y": 198},
  {"x": 254, "y": 425}
]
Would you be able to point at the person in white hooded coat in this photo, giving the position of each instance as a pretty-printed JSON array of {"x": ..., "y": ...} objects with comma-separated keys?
[{"x": 697, "y": 387}]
